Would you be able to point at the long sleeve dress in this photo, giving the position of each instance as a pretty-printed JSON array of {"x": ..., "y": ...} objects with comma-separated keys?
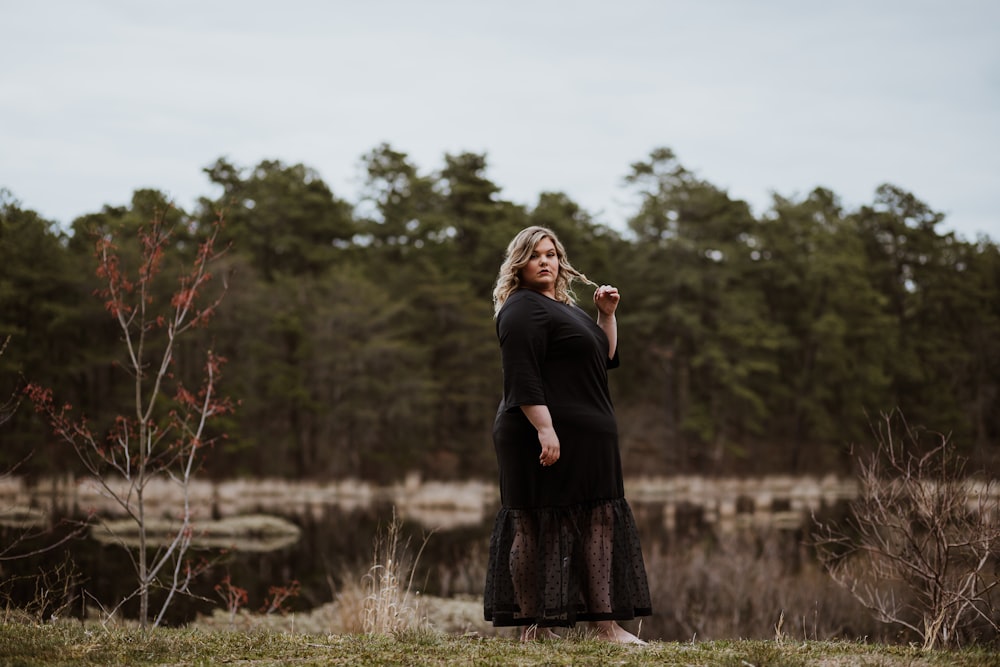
[{"x": 564, "y": 546}]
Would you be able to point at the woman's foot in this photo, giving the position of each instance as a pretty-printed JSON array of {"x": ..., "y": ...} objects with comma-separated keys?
[
  {"x": 533, "y": 632},
  {"x": 610, "y": 631}
]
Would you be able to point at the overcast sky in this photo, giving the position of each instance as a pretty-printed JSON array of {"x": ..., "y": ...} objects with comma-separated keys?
[{"x": 98, "y": 99}]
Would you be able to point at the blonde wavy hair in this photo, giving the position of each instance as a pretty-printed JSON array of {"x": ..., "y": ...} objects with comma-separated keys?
[{"x": 516, "y": 258}]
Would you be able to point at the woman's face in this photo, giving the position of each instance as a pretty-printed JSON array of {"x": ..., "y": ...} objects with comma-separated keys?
[{"x": 542, "y": 269}]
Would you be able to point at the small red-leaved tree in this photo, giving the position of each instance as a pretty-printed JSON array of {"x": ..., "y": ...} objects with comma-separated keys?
[{"x": 165, "y": 433}]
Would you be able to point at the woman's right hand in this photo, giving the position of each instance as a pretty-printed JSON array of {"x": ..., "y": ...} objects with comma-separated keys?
[
  {"x": 549, "y": 441},
  {"x": 540, "y": 418}
]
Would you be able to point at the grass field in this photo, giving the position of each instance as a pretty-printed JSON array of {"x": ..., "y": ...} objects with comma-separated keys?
[{"x": 71, "y": 643}]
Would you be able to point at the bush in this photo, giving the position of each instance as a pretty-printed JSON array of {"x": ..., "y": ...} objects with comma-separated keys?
[{"x": 921, "y": 544}]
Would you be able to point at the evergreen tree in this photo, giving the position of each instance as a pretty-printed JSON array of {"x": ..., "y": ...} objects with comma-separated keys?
[{"x": 284, "y": 217}]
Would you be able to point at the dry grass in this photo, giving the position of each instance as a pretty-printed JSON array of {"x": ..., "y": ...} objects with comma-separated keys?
[
  {"x": 68, "y": 643},
  {"x": 390, "y": 604},
  {"x": 248, "y": 533},
  {"x": 743, "y": 584}
]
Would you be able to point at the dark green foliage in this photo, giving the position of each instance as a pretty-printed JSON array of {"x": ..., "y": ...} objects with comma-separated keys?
[
  {"x": 705, "y": 337},
  {"x": 834, "y": 348},
  {"x": 42, "y": 283},
  {"x": 361, "y": 342},
  {"x": 284, "y": 218}
]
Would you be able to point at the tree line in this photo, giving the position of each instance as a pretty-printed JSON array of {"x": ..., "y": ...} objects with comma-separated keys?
[{"x": 360, "y": 341}]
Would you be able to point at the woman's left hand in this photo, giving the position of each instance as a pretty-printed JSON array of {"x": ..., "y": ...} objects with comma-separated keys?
[{"x": 606, "y": 299}]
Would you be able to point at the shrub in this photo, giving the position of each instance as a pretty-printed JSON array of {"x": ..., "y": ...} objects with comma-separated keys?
[{"x": 921, "y": 539}]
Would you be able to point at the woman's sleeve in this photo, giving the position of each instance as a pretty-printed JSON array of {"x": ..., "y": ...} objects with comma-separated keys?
[
  {"x": 522, "y": 327},
  {"x": 614, "y": 362}
]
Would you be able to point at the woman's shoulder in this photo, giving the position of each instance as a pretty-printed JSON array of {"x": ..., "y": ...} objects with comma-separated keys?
[
  {"x": 524, "y": 295},
  {"x": 536, "y": 299},
  {"x": 524, "y": 302}
]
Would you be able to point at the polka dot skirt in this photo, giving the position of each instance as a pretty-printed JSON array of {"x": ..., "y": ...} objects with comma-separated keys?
[{"x": 557, "y": 566}]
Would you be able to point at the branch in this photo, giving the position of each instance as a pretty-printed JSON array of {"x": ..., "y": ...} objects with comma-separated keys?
[{"x": 74, "y": 534}]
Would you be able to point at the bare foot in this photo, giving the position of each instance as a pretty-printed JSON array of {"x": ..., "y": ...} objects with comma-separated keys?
[
  {"x": 533, "y": 632},
  {"x": 610, "y": 631}
]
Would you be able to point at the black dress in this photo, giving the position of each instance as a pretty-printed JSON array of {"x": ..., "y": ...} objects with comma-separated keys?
[{"x": 564, "y": 546}]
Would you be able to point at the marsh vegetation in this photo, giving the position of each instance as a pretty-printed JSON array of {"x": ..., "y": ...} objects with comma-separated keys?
[{"x": 725, "y": 557}]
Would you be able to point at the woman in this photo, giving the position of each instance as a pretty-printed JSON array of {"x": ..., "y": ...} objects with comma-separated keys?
[{"x": 564, "y": 546}]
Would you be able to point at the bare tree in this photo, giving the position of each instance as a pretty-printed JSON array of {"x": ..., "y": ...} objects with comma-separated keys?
[
  {"x": 921, "y": 542},
  {"x": 166, "y": 434}
]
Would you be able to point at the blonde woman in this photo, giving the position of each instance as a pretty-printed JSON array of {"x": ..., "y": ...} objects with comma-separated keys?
[{"x": 564, "y": 546}]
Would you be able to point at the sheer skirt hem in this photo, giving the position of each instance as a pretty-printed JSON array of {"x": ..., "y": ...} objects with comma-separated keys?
[
  {"x": 558, "y": 566},
  {"x": 503, "y": 621}
]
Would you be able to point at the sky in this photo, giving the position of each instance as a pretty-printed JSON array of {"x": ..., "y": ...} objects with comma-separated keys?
[{"x": 100, "y": 98}]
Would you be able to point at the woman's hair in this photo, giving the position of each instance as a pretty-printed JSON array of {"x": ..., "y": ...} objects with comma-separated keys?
[{"x": 516, "y": 258}]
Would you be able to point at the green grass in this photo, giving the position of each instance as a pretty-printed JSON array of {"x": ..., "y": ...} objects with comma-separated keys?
[{"x": 71, "y": 643}]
